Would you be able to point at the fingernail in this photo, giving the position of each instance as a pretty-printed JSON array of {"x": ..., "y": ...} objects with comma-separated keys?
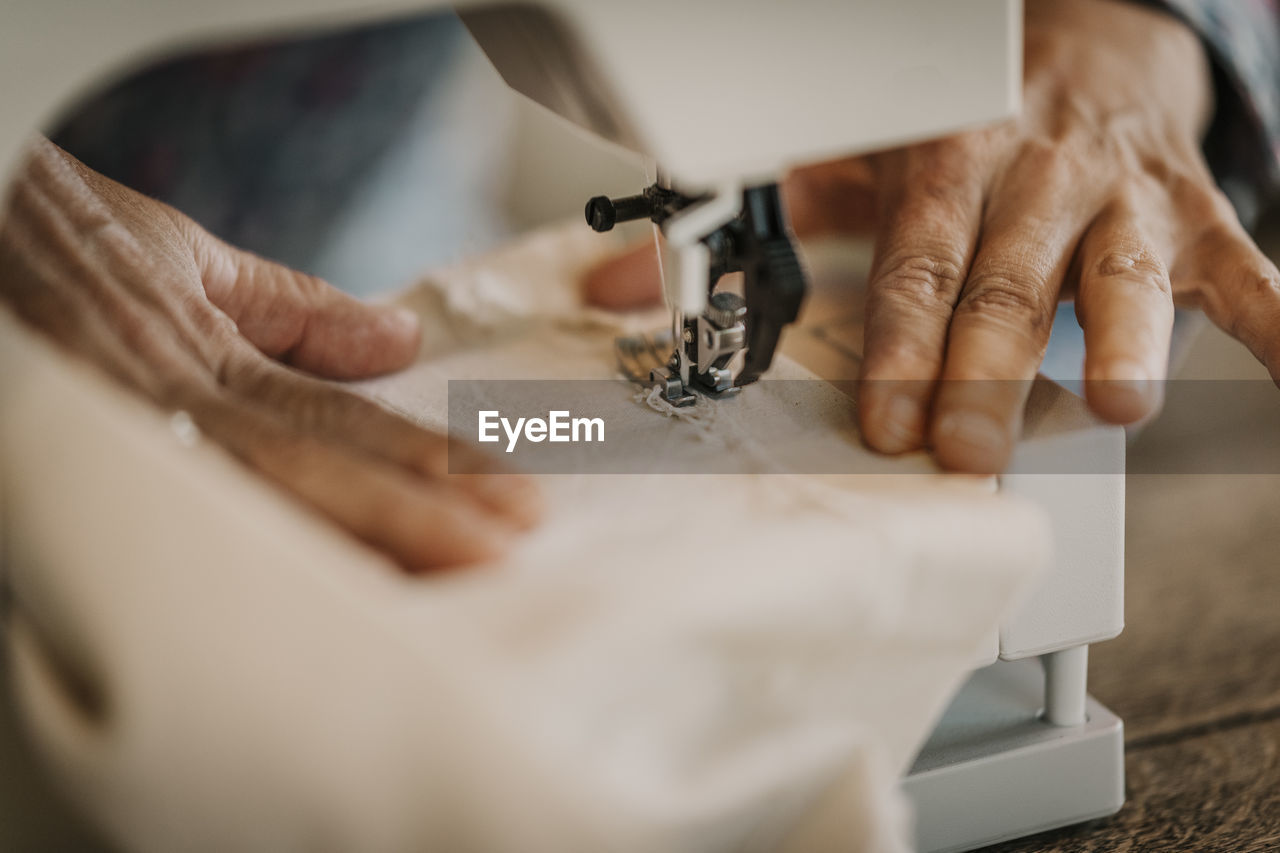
[
  {"x": 974, "y": 429},
  {"x": 901, "y": 424},
  {"x": 1127, "y": 371},
  {"x": 1123, "y": 391},
  {"x": 1130, "y": 378}
]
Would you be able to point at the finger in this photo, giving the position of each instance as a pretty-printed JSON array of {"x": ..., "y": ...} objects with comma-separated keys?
[
  {"x": 922, "y": 258},
  {"x": 999, "y": 333},
  {"x": 1125, "y": 305},
  {"x": 626, "y": 281},
  {"x": 424, "y": 525},
  {"x": 316, "y": 407},
  {"x": 1238, "y": 288},
  {"x": 298, "y": 318},
  {"x": 1222, "y": 271}
]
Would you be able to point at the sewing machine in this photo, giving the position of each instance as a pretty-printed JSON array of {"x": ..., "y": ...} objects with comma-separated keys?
[
  {"x": 723, "y": 99},
  {"x": 1022, "y": 747}
]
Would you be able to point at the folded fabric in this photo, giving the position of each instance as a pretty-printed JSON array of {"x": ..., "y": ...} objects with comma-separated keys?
[{"x": 671, "y": 662}]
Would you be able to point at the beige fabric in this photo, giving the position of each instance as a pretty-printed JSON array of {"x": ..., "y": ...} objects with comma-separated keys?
[{"x": 207, "y": 666}]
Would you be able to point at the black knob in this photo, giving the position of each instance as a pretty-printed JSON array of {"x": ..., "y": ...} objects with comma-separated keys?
[
  {"x": 601, "y": 213},
  {"x": 724, "y": 309},
  {"x": 604, "y": 212}
]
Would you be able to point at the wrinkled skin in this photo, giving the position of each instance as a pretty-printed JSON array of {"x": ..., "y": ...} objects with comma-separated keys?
[
  {"x": 240, "y": 343},
  {"x": 1098, "y": 192}
]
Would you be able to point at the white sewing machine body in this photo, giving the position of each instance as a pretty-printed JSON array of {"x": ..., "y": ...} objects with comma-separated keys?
[
  {"x": 723, "y": 95},
  {"x": 1023, "y": 748}
]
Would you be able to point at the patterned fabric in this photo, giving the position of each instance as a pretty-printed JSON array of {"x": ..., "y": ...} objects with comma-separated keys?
[{"x": 1243, "y": 144}]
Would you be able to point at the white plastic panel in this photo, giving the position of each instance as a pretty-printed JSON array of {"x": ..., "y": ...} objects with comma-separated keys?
[
  {"x": 721, "y": 91},
  {"x": 1081, "y": 600},
  {"x": 993, "y": 771}
]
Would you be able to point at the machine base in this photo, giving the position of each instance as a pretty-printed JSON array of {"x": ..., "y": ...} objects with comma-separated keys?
[{"x": 993, "y": 770}]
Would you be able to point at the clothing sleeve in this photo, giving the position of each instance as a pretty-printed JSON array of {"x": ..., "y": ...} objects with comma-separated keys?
[{"x": 1243, "y": 142}]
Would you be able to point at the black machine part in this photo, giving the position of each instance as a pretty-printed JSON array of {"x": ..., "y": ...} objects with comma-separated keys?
[{"x": 756, "y": 242}]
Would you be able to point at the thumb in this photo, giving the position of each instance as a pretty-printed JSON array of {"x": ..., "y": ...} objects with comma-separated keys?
[{"x": 298, "y": 318}]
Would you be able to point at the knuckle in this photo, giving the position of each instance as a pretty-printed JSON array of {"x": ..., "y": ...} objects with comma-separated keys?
[
  {"x": 1254, "y": 297},
  {"x": 227, "y": 365},
  {"x": 1260, "y": 284},
  {"x": 1003, "y": 298},
  {"x": 221, "y": 270},
  {"x": 220, "y": 341},
  {"x": 1255, "y": 334},
  {"x": 1136, "y": 264},
  {"x": 925, "y": 280},
  {"x": 214, "y": 323},
  {"x": 242, "y": 371}
]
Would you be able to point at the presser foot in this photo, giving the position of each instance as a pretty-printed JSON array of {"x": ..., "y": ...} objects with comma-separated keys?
[
  {"x": 652, "y": 360},
  {"x": 673, "y": 390},
  {"x": 718, "y": 385},
  {"x": 678, "y": 394}
]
